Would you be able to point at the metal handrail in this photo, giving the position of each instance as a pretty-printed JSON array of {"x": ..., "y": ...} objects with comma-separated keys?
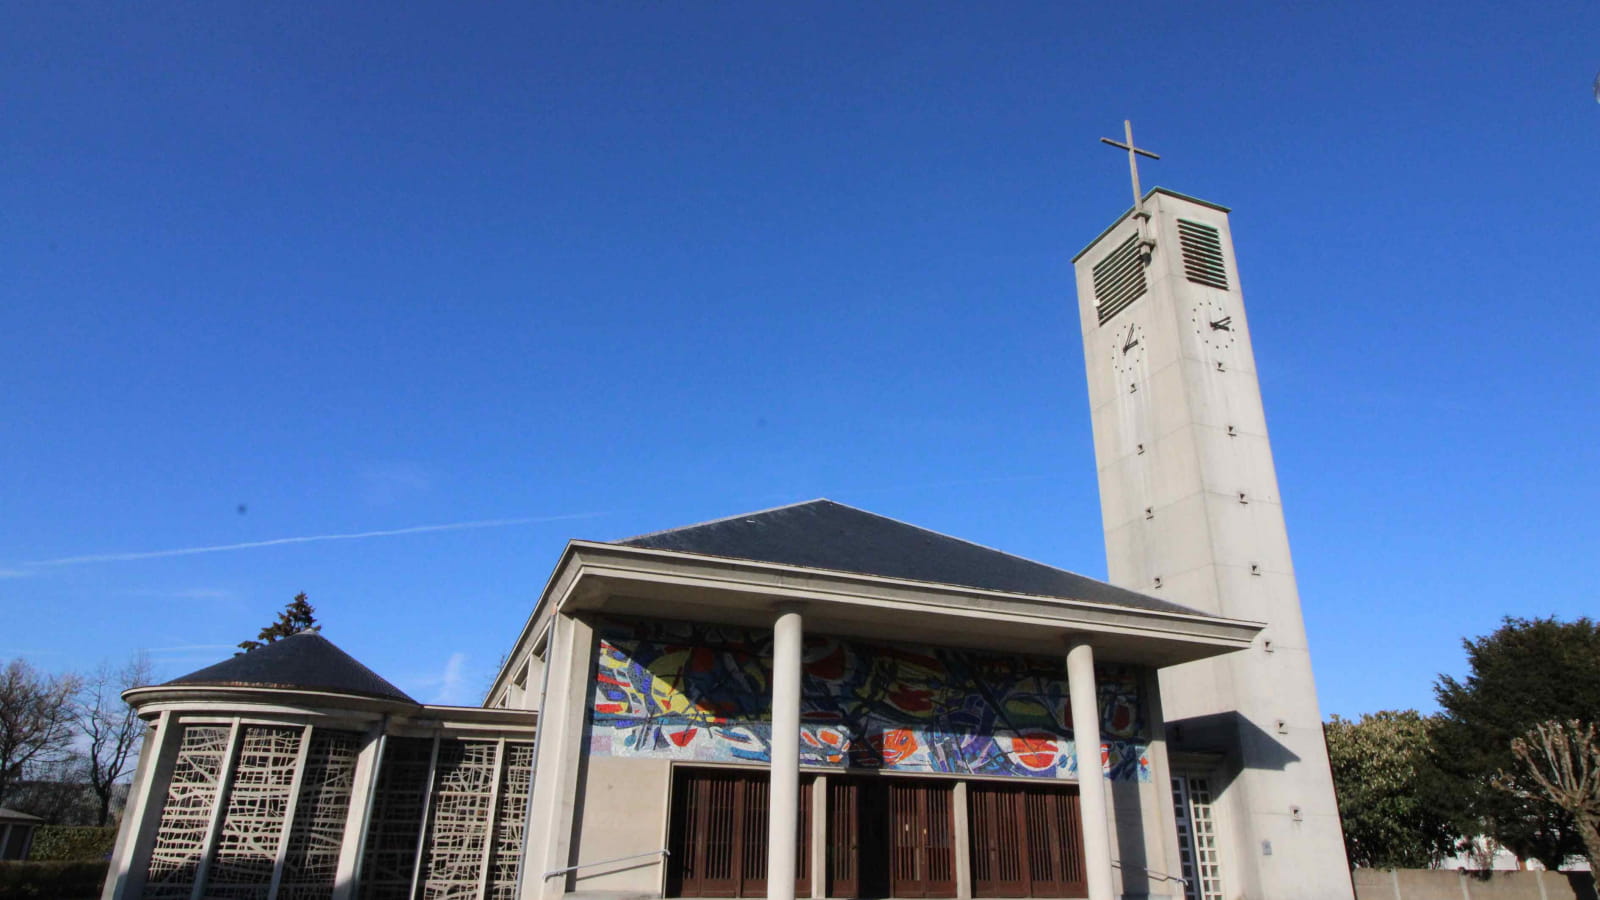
[
  {"x": 1159, "y": 876},
  {"x": 600, "y": 862}
]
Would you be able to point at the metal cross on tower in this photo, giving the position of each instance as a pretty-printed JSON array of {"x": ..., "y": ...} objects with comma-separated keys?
[{"x": 1133, "y": 163}]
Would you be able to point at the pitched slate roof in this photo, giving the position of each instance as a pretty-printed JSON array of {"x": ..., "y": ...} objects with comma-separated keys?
[
  {"x": 822, "y": 534},
  {"x": 306, "y": 661}
]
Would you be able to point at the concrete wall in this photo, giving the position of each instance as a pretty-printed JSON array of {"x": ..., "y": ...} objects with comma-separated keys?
[
  {"x": 1142, "y": 840},
  {"x": 622, "y": 810},
  {"x": 1457, "y": 884},
  {"x": 1191, "y": 512}
]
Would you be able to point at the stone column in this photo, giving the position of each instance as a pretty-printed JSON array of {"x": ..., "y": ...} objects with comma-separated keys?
[
  {"x": 1091, "y": 780},
  {"x": 783, "y": 809}
]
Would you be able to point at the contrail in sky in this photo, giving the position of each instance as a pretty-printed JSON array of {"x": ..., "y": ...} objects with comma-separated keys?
[{"x": 305, "y": 539}]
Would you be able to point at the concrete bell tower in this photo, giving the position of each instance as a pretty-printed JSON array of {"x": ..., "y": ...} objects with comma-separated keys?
[{"x": 1190, "y": 507}]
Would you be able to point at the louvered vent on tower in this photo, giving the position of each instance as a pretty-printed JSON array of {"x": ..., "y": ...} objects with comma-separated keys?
[
  {"x": 1119, "y": 279},
  {"x": 1202, "y": 254}
]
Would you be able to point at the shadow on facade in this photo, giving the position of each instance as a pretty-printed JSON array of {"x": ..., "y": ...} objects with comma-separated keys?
[{"x": 1218, "y": 732}]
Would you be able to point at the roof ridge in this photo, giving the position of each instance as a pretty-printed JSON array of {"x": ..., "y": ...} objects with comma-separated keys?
[{"x": 743, "y": 515}]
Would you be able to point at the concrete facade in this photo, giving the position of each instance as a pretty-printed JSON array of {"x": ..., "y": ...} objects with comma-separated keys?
[
  {"x": 159, "y": 794},
  {"x": 600, "y": 824},
  {"x": 1191, "y": 513}
]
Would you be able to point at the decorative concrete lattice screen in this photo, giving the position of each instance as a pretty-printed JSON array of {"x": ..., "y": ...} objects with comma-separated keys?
[
  {"x": 511, "y": 821},
  {"x": 448, "y": 816},
  {"x": 395, "y": 828},
  {"x": 187, "y": 813},
  {"x": 317, "y": 835},
  {"x": 258, "y": 804},
  {"x": 249, "y": 807},
  {"x": 463, "y": 798}
]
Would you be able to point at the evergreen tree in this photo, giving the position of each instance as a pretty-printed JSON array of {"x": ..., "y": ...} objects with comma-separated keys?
[
  {"x": 1527, "y": 672},
  {"x": 297, "y": 616},
  {"x": 1391, "y": 798}
]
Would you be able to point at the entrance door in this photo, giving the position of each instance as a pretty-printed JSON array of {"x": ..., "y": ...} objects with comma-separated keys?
[
  {"x": 890, "y": 837},
  {"x": 1027, "y": 841},
  {"x": 845, "y": 834},
  {"x": 922, "y": 853},
  {"x": 719, "y": 834}
]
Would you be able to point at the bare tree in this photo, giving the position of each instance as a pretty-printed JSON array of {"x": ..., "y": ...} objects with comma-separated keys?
[
  {"x": 110, "y": 730},
  {"x": 1561, "y": 764},
  {"x": 35, "y": 720}
]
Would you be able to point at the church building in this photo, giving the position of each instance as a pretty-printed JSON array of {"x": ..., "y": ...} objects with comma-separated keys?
[{"x": 816, "y": 701}]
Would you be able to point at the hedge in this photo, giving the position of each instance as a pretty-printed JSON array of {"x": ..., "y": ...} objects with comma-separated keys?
[
  {"x": 69, "y": 843},
  {"x": 52, "y": 880}
]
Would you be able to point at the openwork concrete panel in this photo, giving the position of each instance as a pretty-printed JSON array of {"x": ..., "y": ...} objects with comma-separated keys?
[
  {"x": 186, "y": 813},
  {"x": 511, "y": 819},
  {"x": 462, "y": 806},
  {"x": 463, "y": 797},
  {"x": 395, "y": 829},
  {"x": 257, "y": 810},
  {"x": 312, "y": 861}
]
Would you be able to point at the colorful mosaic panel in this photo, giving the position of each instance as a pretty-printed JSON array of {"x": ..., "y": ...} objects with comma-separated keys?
[{"x": 696, "y": 692}]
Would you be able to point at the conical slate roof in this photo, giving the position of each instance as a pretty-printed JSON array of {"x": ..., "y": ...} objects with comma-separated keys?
[
  {"x": 305, "y": 661},
  {"x": 822, "y": 534}
]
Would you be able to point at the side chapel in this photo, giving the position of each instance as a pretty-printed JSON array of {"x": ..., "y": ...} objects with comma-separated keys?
[{"x": 818, "y": 701}]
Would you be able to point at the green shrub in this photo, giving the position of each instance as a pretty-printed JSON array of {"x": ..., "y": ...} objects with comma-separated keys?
[
  {"x": 69, "y": 843},
  {"x": 51, "y": 880}
]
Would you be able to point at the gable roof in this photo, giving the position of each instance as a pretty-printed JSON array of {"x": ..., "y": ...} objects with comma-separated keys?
[
  {"x": 305, "y": 661},
  {"x": 822, "y": 534},
  {"x": 12, "y": 817}
]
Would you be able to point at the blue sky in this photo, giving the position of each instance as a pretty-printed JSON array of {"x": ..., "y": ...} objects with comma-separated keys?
[{"x": 603, "y": 269}]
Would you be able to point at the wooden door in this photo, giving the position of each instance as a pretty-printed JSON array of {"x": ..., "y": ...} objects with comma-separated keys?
[
  {"x": 718, "y": 840},
  {"x": 1027, "y": 841},
  {"x": 844, "y": 838},
  {"x": 1055, "y": 844},
  {"x": 997, "y": 852},
  {"x": 753, "y": 874},
  {"x": 921, "y": 846}
]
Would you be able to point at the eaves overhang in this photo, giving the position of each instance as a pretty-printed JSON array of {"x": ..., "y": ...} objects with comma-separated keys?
[
  {"x": 256, "y": 701},
  {"x": 600, "y": 578},
  {"x": 196, "y": 696}
]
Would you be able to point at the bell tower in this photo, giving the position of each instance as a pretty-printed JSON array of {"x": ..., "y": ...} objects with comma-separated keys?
[{"x": 1191, "y": 512}]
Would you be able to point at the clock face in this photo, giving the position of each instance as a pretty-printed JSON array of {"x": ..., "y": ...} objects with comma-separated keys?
[
  {"x": 1213, "y": 324},
  {"x": 1127, "y": 350}
]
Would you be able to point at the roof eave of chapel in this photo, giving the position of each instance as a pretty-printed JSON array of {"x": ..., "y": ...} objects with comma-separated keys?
[
  {"x": 264, "y": 703},
  {"x": 258, "y": 697}
]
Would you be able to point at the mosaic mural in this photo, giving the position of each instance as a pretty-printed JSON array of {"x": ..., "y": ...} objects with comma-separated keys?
[{"x": 670, "y": 690}]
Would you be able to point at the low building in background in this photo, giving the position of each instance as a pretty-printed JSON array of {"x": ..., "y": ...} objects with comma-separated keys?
[{"x": 16, "y": 833}]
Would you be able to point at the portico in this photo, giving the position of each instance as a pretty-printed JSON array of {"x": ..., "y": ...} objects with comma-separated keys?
[{"x": 665, "y": 666}]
